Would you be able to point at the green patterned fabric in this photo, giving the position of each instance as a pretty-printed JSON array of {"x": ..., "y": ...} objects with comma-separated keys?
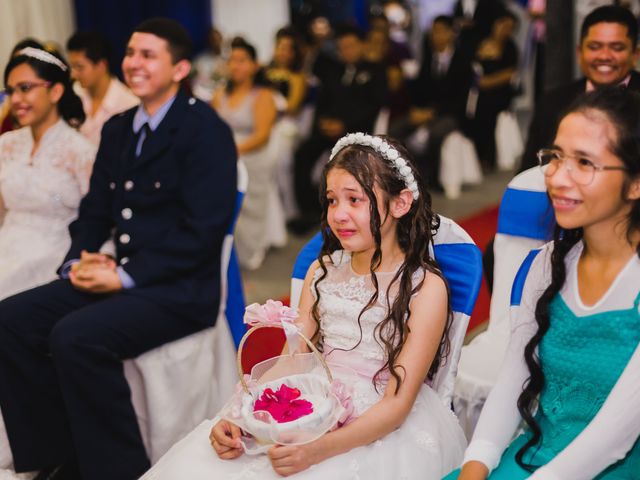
[{"x": 582, "y": 358}]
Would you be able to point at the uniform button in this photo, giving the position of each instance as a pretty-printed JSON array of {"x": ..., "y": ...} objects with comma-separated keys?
[
  {"x": 127, "y": 213},
  {"x": 125, "y": 238},
  {"x": 192, "y": 101},
  {"x": 124, "y": 260},
  {"x": 128, "y": 185},
  {"x": 112, "y": 186},
  {"x": 157, "y": 185}
]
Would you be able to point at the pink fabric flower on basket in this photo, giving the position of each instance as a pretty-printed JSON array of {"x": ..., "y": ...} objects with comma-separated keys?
[
  {"x": 284, "y": 405},
  {"x": 273, "y": 312}
]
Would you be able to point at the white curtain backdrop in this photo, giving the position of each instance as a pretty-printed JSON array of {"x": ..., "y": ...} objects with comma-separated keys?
[
  {"x": 256, "y": 20},
  {"x": 44, "y": 20}
]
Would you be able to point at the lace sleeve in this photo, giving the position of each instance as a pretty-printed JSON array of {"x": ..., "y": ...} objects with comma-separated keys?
[
  {"x": 500, "y": 417},
  {"x": 81, "y": 164}
]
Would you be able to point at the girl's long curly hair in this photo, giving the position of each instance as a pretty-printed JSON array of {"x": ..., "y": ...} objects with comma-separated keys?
[
  {"x": 415, "y": 232},
  {"x": 621, "y": 108}
]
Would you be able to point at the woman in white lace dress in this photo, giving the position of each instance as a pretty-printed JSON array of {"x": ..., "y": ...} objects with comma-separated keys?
[
  {"x": 44, "y": 170},
  {"x": 377, "y": 304}
]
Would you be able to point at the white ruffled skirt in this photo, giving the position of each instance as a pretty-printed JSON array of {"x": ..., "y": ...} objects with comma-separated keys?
[{"x": 429, "y": 445}]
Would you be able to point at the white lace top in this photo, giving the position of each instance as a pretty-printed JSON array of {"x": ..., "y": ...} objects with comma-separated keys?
[
  {"x": 41, "y": 194},
  {"x": 52, "y": 181}
]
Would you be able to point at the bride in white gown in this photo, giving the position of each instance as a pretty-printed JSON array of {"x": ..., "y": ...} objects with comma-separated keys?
[
  {"x": 368, "y": 309},
  {"x": 44, "y": 170}
]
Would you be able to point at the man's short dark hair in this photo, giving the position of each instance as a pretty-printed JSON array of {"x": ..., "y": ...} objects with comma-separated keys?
[
  {"x": 444, "y": 19},
  {"x": 611, "y": 14},
  {"x": 180, "y": 45},
  {"x": 346, "y": 30},
  {"x": 94, "y": 45}
]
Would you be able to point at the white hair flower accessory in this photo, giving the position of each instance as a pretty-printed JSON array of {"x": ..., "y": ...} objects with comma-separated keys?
[
  {"x": 43, "y": 56},
  {"x": 387, "y": 152}
]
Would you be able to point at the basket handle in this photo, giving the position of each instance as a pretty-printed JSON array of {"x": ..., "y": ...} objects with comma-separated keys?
[{"x": 311, "y": 346}]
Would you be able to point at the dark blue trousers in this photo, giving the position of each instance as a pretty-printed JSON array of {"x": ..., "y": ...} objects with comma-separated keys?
[{"x": 63, "y": 393}]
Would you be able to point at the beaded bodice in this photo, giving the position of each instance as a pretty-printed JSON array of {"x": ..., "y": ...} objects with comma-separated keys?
[
  {"x": 348, "y": 343},
  {"x": 343, "y": 296}
]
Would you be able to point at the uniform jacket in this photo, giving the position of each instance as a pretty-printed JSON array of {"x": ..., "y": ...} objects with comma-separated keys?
[{"x": 168, "y": 210}]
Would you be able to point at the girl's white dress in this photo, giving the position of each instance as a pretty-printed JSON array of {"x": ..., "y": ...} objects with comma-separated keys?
[
  {"x": 41, "y": 195},
  {"x": 428, "y": 445}
]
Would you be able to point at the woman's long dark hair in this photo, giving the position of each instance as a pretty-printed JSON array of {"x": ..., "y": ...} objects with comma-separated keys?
[
  {"x": 69, "y": 106},
  {"x": 621, "y": 108},
  {"x": 415, "y": 232}
]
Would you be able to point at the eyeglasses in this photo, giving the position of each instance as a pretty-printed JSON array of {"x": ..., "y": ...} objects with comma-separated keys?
[
  {"x": 581, "y": 170},
  {"x": 25, "y": 87}
]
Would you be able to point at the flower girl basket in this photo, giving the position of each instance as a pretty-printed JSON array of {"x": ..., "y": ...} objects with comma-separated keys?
[{"x": 302, "y": 398}]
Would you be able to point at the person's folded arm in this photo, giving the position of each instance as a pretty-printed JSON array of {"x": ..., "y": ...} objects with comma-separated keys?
[{"x": 500, "y": 417}]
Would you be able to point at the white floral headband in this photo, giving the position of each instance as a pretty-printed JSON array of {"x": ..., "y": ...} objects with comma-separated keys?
[
  {"x": 43, "y": 56},
  {"x": 386, "y": 151}
]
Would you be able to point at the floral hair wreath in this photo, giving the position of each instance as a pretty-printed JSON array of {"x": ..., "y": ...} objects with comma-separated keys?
[
  {"x": 43, "y": 56},
  {"x": 386, "y": 151}
]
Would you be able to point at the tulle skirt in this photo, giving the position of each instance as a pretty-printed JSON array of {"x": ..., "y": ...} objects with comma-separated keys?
[{"x": 428, "y": 445}]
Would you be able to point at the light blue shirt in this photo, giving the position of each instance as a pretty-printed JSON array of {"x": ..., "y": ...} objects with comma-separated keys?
[{"x": 141, "y": 117}]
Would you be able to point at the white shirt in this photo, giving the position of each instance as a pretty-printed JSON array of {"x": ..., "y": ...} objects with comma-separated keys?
[
  {"x": 616, "y": 427},
  {"x": 117, "y": 99}
]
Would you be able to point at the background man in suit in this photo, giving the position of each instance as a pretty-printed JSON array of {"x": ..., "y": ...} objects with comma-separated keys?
[
  {"x": 351, "y": 94},
  {"x": 439, "y": 97},
  {"x": 607, "y": 54},
  {"x": 164, "y": 180}
]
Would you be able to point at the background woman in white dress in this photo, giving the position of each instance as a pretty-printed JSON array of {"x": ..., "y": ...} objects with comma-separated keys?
[
  {"x": 250, "y": 111},
  {"x": 44, "y": 169}
]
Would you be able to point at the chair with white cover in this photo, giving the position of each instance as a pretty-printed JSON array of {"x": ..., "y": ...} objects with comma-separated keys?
[
  {"x": 459, "y": 164},
  {"x": 177, "y": 385},
  {"x": 461, "y": 263},
  {"x": 525, "y": 222},
  {"x": 509, "y": 144}
]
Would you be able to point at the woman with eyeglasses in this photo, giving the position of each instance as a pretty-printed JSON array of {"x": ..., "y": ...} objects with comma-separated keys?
[
  {"x": 571, "y": 376},
  {"x": 44, "y": 169}
]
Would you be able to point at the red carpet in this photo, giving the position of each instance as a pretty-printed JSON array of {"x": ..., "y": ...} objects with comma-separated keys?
[{"x": 481, "y": 226}]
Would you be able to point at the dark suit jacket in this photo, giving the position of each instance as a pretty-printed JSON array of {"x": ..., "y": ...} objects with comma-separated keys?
[
  {"x": 357, "y": 103},
  {"x": 548, "y": 111},
  {"x": 448, "y": 93},
  {"x": 170, "y": 209}
]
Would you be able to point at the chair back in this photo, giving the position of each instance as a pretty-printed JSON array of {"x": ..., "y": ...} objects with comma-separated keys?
[
  {"x": 232, "y": 295},
  {"x": 525, "y": 221},
  {"x": 461, "y": 263},
  {"x": 168, "y": 392}
]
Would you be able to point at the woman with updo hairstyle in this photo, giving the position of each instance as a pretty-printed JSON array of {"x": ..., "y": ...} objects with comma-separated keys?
[
  {"x": 44, "y": 169},
  {"x": 567, "y": 401},
  {"x": 247, "y": 105}
]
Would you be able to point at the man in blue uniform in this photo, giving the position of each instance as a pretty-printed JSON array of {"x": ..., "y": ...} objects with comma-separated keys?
[{"x": 164, "y": 181}]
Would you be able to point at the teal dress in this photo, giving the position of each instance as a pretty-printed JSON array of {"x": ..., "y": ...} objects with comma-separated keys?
[{"x": 582, "y": 358}]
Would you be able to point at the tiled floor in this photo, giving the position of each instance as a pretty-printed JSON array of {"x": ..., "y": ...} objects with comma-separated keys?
[{"x": 272, "y": 279}]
